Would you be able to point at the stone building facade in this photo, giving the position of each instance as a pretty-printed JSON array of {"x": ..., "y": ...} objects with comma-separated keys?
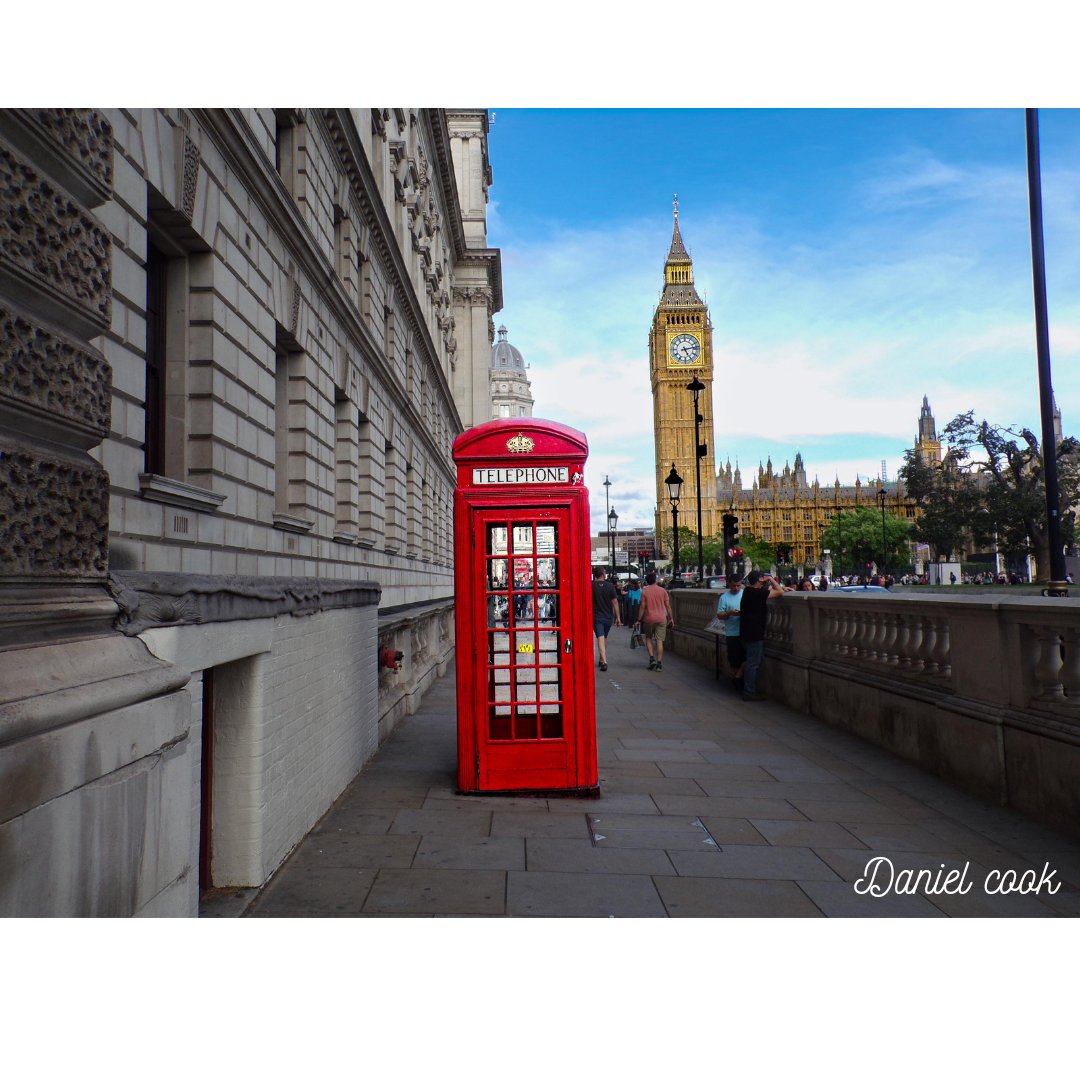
[
  {"x": 511, "y": 393},
  {"x": 781, "y": 507},
  {"x": 236, "y": 348}
]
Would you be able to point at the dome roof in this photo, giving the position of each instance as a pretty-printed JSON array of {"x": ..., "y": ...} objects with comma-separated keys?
[{"x": 504, "y": 355}]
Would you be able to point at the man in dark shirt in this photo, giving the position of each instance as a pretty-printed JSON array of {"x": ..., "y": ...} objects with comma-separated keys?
[
  {"x": 753, "y": 615},
  {"x": 605, "y": 611}
]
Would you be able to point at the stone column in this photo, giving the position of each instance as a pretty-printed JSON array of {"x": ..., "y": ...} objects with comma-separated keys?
[{"x": 87, "y": 765}]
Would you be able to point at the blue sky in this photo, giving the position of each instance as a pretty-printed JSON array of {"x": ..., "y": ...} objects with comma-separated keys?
[{"x": 853, "y": 260}]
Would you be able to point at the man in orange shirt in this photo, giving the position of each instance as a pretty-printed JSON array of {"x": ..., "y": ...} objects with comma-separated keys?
[{"x": 655, "y": 617}]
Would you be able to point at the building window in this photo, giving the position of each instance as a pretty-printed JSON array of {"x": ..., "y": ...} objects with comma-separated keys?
[
  {"x": 345, "y": 458},
  {"x": 156, "y": 294},
  {"x": 286, "y": 147},
  {"x": 290, "y": 488},
  {"x": 768, "y": 534},
  {"x": 371, "y": 483}
]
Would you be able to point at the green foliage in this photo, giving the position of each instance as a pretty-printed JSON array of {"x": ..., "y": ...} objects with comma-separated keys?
[
  {"x": 992, "y": 485},
  {"x": 949, "y": 500},
  {"x": 758, "y": 552},
  {"x": 860, "y": 530}
]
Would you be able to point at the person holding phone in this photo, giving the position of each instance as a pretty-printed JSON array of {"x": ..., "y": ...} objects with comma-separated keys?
[{"x": 753, "y": 615}]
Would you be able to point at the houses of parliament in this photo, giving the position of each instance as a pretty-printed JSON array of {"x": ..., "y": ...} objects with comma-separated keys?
[{"x": 778, "y": 506}]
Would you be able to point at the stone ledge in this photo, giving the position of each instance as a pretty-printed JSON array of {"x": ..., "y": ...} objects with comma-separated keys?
[
  {"x": 165, "y": 489},
  {"x": 164, "y": 599}
]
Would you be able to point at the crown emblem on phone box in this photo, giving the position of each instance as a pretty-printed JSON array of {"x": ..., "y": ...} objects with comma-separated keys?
[{"x": 520, "y": 444}]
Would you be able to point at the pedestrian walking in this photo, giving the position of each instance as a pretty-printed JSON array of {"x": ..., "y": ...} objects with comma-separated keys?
[
  {"x": 655, "y": 616},
  {"x": 760, "y": 588},
  {"x": 633, "y": 601},
  {"x": 605, "y": 611}
]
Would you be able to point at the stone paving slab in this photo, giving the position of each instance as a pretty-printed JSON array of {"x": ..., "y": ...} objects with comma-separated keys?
[
  {"x": 312, "y": 891},
  {"x": 443, "y": 822},
  {"x": 707, "y": 808},
  {"x": 836, "y": 899},
  {"x": 805, "y": 833},
  {"x": 583, "y": 857},
  {"x": 359, "y": 850},
  {"x": 540, "y": 823},
  {"x": 709, "y": 897},
  {"x": 471, "y": 853},
  {"x": 542, "y": 894},
  {"x": 723, "y": 807},
  {"x": 435, "y": 891},
  {"x": 864, "y": 812},
  {"x": 763, "y": 863}
]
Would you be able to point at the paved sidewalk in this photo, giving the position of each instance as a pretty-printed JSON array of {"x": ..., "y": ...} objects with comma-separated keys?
[{"x": 709, "y": 806}]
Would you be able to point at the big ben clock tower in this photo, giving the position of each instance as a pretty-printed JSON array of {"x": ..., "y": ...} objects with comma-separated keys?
[{"x": 680, "y": 349}]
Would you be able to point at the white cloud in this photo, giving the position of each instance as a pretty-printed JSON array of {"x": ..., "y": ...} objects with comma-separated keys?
[{"x": 842, "y": 333}]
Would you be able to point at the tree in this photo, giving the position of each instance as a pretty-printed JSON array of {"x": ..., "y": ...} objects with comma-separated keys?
[
  {"x": 1000, "y": 470},
  {"x": 860, "y": 530},
  {"x": 757, "y": 552},
  {"x": 948, "y": 498},
  {"x": 687, "y": 546}
]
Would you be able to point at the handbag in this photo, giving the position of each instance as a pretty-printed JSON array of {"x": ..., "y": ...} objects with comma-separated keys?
[{"x": 636, "y": 636}]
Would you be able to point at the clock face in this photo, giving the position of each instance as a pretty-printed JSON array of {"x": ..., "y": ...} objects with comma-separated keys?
[{"x": 685, "y": 349}]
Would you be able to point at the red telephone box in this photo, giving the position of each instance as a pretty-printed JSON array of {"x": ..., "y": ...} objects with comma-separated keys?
[{"x": 526, "y": 711}]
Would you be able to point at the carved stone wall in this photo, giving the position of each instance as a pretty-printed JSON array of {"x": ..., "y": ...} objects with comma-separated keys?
[
  {"x": 48, "y": 240},
  {"x": 55, "y": 294},
  {"x": 45, "y": 371}
]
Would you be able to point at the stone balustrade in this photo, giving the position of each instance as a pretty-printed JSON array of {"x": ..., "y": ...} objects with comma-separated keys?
[{"x": 981, "y": 690}]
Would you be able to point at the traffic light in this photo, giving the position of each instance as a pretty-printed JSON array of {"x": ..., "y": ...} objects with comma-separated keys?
[{"x": 731, "y": 530}]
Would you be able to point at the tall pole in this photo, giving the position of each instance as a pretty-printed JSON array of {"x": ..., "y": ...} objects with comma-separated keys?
[
  {"x": 696, "y": 387},
  {"x": 675, "y": 533},
  {"x": 607, "y": 512},
  {"x": 1057, "y": 585}
]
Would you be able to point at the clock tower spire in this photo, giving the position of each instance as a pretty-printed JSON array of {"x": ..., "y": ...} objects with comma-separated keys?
[{"x": 680, "y": 350}]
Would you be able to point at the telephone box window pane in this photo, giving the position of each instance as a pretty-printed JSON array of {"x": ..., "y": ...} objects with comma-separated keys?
[
  {"x": 523, "y": 574},
  {"x": 547, "y": 609},
  {"x": 546, "y": 540},
  {"x": 497, "y": 574},
  {"x": 545, "y": 574},
  {"x": 523, "y": 540},
  {"x": 496, "y": 539}
]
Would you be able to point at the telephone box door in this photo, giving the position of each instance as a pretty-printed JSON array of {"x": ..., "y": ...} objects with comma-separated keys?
[{"x": 527, "y": 736}]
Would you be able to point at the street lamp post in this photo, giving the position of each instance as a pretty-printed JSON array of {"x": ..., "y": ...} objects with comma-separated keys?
[
  {"x": 607, "y": 505},
  {"x": 882, "y": 493},
  {"x": 695, "y": 388},
  {"x": 612, "y": 521},
  {"x": 674, "y": 486}
]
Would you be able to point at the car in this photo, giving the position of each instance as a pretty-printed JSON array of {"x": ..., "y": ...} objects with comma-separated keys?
[
  {"x": 717, "y": 581},
  {"x": 860, "y": 590}
]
